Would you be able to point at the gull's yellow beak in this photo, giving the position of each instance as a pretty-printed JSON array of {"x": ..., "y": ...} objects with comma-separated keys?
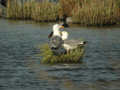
[{"x": 61, "y": 27}]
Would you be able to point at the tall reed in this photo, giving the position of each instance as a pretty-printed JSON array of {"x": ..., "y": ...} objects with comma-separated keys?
[
  {"x": 27, "y": 10},
  {"x": 0, "y": 12},
  {"x": 14, "y": 10},
  {"x": 118, "y": 3},
  {"x": 84, "y": 12},
  {"x": 44, "y": 11},
  {"x": 67, "y": 6},
  {"x": 96, "y": 12}
]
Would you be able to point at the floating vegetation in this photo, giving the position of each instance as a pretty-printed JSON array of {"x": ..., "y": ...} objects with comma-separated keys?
[{"x": 72, "y": 57}]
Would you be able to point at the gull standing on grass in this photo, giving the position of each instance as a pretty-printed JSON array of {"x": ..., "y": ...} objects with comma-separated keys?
[{"x": 67, "y": 44}]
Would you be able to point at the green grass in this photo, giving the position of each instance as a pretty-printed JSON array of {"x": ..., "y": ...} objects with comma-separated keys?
[{"x": 49, "y": 58}]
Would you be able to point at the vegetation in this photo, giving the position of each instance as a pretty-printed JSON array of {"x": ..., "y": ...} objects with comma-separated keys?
[
  {"x": 45, "y": 11},
  {"x": 72, "y": 57},
  {"x": 14, "y": 10},
  {"x": 67, "y": 6},
  {"x": 0, "y": 12},
  {"x": 97, "y": 12},
  {"x": 84, "y": 12}
]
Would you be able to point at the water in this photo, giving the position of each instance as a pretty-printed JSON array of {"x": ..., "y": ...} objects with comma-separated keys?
[{"x": 20, "y": 67}]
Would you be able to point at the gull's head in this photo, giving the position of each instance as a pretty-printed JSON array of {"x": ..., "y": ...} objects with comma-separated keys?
[
  {"x": 57, "y": 27},
  {"x": 57, "y": 32}
]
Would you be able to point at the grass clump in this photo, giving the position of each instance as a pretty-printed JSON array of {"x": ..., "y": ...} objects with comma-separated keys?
[{"x": 72, "y": 57}]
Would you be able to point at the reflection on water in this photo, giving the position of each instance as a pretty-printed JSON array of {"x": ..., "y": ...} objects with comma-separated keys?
[{"x": 20, "y": 67}]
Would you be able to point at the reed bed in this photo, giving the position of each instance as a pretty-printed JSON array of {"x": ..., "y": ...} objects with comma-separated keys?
[
  {"x": 14, "y": 10},
  {"x": 104, "y": 12},
  {"x": 0, "y": 12},
  {"x": 27, "y": 10},
  {"x": 84, "y": 12},
  {"x": 49, "y": 58},
  {"x": 45, "y": 11},
  {"x": 67, "y": 6}
]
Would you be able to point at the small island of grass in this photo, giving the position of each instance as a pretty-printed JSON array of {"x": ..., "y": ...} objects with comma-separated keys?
[{"x": 73, "y": 56}]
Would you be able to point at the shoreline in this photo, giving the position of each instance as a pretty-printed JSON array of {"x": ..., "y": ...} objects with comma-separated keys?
[
  {"x": 83, "y": 13},
  {"x": 70, "y": 25}
]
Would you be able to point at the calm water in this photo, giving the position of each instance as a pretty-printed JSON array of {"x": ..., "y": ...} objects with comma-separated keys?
[{"x": 20, "y": 67}]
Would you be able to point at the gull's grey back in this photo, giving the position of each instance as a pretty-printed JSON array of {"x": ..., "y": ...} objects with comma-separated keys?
[{"x": 55, "y": 42}]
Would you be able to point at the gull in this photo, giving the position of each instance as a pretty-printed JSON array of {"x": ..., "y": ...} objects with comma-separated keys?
[
  {"x": 60, "y": 38},
  {"x": 57, "y": 31},
  {"x": 72, "y": 44}
]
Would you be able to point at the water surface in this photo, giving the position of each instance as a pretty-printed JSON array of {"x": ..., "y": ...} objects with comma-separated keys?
[{"x": 20, "y": 67}]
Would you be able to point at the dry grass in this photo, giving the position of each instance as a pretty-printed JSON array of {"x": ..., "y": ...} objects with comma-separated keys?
[
  {"x": 0, "y": 12},
  {"x": 104, "y": 12},
  {"x": 14, "y": 10},
  {"x": 67, "y": 6},
  {"x": 27, "y": 10},
  {"x": 45, "y": 11},
  {"x": 84, "y": 12}
]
